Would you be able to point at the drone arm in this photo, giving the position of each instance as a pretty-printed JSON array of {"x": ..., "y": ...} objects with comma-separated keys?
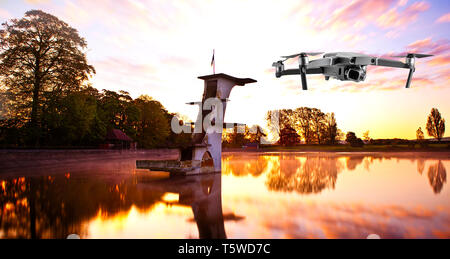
[
  {"x": 390, "y": 63},
  {"x": 398, "y": 64},
  {"x": 296, "y": 71}
]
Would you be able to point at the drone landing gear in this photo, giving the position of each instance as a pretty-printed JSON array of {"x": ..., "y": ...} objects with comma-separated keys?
[
  {"x": 408, "y": 82},
  {"x": 303, "y": 62}
]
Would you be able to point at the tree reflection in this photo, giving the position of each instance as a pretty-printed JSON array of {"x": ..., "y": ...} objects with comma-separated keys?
[
  {"x": 354, "y": 160},
  {"x": 251, "y": 165},
  {"x": 312, "y": 174},
  {"x": 54, "y": 207},
  {"x": 437, "y": 175},
  {"x": 420, "y": 165}
]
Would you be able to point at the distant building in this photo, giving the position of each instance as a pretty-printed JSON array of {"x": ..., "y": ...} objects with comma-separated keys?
[{"x": 115, "y": 138}]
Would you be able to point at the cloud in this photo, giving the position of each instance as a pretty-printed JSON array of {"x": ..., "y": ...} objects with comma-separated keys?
[
  {"x": 400, "y": 19},
  {"x": 352, "y": 220},
  {"x": 37, "y": 1},
  {"x": 444, "y": 18},
  {"x": 4, "y": 14},
  {"x": 383, "y": 83},
  {"x": 428, "y": 46},
  {"x": 440, "y": 61},
  {"x": 402, "y": 2},
  {"x": 120, "y": 74},
  {"x": 355, "y": 14},
  {"x": 134, "y": 15},
  {"x": 177, "y": 61}
]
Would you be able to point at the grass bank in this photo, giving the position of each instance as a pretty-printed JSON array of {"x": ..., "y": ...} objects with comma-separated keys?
[{"x": 348, "y": 148}]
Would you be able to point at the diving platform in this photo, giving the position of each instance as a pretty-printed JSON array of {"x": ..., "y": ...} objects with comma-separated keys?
[{"x": 204, "y": 153}]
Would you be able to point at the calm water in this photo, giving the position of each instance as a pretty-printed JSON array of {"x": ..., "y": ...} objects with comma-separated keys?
[{"x": 271, "y": 195}]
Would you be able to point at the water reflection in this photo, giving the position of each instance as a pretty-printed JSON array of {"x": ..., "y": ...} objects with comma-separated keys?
[
  {"x": 312, "y": 173},
  {"x": 437, "y": 176},
  {"x": 56, "y": 206},
  {"x": 279, "y": 195},
  {"x": 303, "y": 174},
  {"x": 203, "y": 194}
]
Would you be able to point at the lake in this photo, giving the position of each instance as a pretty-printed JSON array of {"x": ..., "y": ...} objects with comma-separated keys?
[{"x": 257, "y": 195}]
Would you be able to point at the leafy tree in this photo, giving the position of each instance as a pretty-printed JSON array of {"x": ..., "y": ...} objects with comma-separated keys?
[
  {"x": 311, "y": 123},
  {"x": 350, "y": 137},
  {"x": 303, "y": 122},
  {"x": 41, "y": 59},
  {"x": 353, "y": 140},
  {"x": 278, "y": 120},
  {"x": 366, "y": 136},
  {"x": 331, "y": 129},
  {"x": 255, "y": 133},
  {"x": 182, "y": 139},
  {"x": 419, "y": 134},
  {"x": 153, "y": 126},
  {"x": 435, "y": 124},
  {"x": 318, "y": 124}
]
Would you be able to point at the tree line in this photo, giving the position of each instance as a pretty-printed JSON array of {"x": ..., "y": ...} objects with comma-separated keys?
[
  {"x": 310, "y": 124},
  {"x": 46, "y": 98},
  {"x": 83, "y": 118}
]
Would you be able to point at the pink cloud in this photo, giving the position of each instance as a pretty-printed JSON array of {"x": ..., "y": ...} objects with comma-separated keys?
[
  {"x": 444, "y": 18},
  {"x": 339, "y": 221},
  {"x": 37, "y": 1},
  {"x": 400, "y": 19},
  {"x": 178, "y": 61},
  {"x": 4, "y": 14},
  {"x": 119, "y": 65},
  {"x": 440, "y": 61},
  {"x": 356, "y": 13},
  {"x": 402, "y": 2},
  {"x": 429, "y": 46},
  {"x": 385, "y": 83},
  {"x": 120, "y": 74}
]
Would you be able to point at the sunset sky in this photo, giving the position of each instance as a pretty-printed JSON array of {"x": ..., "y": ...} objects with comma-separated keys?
[{"x": 160, "y": 47}]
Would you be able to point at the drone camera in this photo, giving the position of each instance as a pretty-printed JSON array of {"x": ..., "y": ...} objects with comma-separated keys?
[{"x": 355, "y": 74}]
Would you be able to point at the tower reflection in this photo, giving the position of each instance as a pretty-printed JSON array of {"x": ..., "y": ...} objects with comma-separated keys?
[
  {"x": 58, "y": 205},
  {"x": 200, "y": 192}
]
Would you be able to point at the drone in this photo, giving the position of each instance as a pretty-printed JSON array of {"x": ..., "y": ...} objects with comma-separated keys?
[{"x": 344, "y": 66}]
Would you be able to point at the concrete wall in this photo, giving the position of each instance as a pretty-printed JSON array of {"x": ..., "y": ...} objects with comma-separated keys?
[{"x": 12, "y": 159}]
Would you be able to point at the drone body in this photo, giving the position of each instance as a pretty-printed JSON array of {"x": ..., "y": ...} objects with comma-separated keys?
[{"x": 344, "y": 66}]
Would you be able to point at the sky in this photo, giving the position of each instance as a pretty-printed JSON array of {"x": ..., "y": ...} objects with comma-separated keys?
[{"x": 159, "y": 48}]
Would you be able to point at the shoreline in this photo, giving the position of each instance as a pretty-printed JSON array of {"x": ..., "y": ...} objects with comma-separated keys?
[{"x": 41, "y": 160}]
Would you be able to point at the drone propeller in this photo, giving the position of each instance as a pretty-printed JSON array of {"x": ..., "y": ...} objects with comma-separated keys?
[
  {"x": 413, "y": 55},
  {"x": 303, "y": 54}
]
